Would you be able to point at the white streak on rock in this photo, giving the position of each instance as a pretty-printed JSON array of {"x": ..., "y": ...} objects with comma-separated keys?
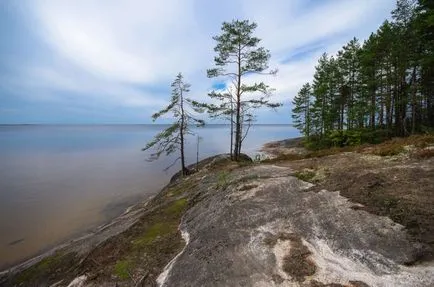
[
  {"x": 336, "y": 268},
  {"x": 162, "y": 278},
  {"x": 78, "y": 282}
]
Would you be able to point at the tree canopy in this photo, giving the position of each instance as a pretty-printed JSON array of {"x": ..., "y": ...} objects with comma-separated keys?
[
  {"x": 382, "y": 87},
  {"x": 238, "y": 57}
]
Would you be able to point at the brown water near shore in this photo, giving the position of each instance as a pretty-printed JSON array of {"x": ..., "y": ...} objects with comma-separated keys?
[{"x": 58, "y": 182}]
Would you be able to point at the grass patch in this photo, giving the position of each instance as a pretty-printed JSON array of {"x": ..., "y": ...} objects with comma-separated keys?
[
  {"x": 311, "y": 154},
  {"x": 397, "y": 145},
  {"x": 181, "y": 188},
  {"x": 420, "y": 141},
  {"x": 176, "y": 207},
  {"x": 424, "y": 153},
  {"x": 329, "y": 151},
  {"x": 305, "y": 175},
  {"x": 157, "y": 230},
  {"x": 46, "y": 267},
  {"x": 151, "y": 243},
  {"x": 223, "y": 180},
  {"x": 389, "y": 148},
  {"x": 122, "y": 269}
]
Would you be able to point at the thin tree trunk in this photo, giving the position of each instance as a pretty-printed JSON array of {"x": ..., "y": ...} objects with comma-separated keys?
[
  {"x": 241, "y": 136},
  {"x": 197, "y": 154},
  {"x": 413, "y": 102},
  {"x": 238, "y": 110},
  {"x": 232, "y": 128},
  {"x": 381, "y": 115},
  {"x": 307, "y": 117},
  {"x": 373, "y": 105},
  {"x": 181, "y": 132}
]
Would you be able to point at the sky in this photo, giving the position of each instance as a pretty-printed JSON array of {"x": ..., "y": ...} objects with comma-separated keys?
[{"x": 112, "y": 62}]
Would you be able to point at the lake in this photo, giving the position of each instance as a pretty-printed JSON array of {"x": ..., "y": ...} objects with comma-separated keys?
[{"x": 58, "y": 182}]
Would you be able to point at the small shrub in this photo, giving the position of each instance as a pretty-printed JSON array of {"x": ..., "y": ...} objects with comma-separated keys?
[
  {"x": 317, "y": 142},
  {"x": 375, "y": 136},
  {"x": 342, "y": 138}
]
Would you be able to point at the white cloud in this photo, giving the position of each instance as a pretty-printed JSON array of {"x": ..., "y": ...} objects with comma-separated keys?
[
  {"x": 119, "y": 51},
  {"x": 126, "y": 41}
]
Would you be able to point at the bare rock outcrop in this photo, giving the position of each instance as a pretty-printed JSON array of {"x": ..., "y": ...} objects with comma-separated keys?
[{"x": 261, "y": 227}]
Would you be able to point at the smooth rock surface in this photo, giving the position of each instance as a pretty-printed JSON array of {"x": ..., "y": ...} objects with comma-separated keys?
[{"x": 248, "y": 231}]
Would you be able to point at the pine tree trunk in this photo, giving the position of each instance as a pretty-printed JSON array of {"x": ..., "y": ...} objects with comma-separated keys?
[
  {"x": 237, "y": 129},
  {"x": 381, "y": 115},
  {"x": 373, "y": 104},
  {"x": 181, "y": 134},
  {"x": 232, "y": 128},
  {"x": 413, "y": 102},
  {"x": 238, "y": 110}
]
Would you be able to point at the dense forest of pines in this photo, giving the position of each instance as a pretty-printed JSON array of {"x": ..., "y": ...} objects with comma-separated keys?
[{"x": 375, "y": 90}]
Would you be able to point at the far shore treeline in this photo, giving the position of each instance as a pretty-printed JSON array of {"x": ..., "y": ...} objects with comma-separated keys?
[
  {"x": 372, "y": 91},
  {"x": 366, "y": 93}
]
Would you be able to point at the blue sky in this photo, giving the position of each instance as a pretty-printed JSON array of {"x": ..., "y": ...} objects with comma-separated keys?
[{"x": 109, "y": 61}]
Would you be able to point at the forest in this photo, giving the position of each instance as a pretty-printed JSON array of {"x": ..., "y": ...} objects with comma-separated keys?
[{"x": 375, "y": 90}]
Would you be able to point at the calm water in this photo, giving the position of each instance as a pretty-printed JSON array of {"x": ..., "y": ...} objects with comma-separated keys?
[{"x": 57, "y": 182}]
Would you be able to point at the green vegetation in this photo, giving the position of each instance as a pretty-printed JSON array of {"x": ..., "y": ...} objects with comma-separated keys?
[
  {"x": 371, "y": 92},
  {"x": 122, "y": 269},
  {"x": 155, "y": 231},
  {"x": 238, "y": 56},
  {"x": 398, "y": 145},
  {"x": 57, "y": 261},
  {"x": 177, "y": 207},
  {"x": 305, "y": 175},
  {"x": 223, "y": 180},
  {"x": 151, "y": 241},
  {"x": 388, "y": 149},
  {"x": 163, "y": 227}
]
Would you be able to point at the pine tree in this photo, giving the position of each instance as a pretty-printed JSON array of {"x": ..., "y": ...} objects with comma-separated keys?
[
  {"x": 238, "y": 56},
  {"x": 424, "y": 25},
  {"x": 320, "y": 108},
  {"x": 301, "y": 110},
  {"x": 386, "y": 84},
  {"x": 173, "y": 138}
]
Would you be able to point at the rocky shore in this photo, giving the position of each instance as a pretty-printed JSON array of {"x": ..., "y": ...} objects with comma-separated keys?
[{"x": 337, "y": 218}]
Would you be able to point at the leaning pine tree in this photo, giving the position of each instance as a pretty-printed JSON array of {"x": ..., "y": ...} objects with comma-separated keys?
[
  {"x": 173, "y": 138},
  {"x": 239, "y": 57}
]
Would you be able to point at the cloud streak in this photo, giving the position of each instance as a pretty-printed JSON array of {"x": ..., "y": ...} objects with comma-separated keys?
[{"x": 126, "y": 53}]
